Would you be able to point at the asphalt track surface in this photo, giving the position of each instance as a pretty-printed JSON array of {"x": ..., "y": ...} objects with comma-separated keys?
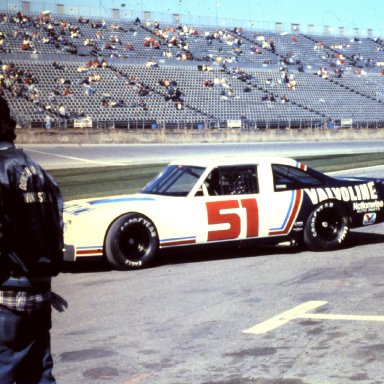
[
  {"x": 225, "y": 315},
  {"x": 66, "y": 156}
]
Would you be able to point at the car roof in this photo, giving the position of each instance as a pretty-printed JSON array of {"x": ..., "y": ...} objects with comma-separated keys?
[{"x": 235, "y": 160}]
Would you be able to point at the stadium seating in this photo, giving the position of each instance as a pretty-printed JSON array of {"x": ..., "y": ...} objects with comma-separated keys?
[{"x": 129, "y": 74}]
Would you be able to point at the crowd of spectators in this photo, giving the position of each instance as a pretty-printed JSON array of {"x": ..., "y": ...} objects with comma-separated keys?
[{"x": 225, "y": 46}]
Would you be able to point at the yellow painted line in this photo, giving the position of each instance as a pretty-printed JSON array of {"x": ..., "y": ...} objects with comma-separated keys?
[
  {"x": 285, "y": 317},
  {"x": 300, "y": 312},
  {"x": 319, "y": 316}
]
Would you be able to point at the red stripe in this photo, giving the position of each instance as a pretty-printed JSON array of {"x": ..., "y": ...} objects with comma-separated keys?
[
  {"x": 293, "y": 215},
  {"x": 181, "y": 242},
  {"x": 89, "y": 252}
]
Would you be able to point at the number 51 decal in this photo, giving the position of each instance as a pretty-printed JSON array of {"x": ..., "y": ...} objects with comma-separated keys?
[{"x": 217, "y": 215}]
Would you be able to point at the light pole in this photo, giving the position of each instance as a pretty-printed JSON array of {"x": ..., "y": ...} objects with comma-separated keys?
[{"x": 217, "y": 13}]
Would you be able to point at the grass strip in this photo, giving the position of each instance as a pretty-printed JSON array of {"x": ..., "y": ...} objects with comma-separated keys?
[{"x": 77, "y": 183}]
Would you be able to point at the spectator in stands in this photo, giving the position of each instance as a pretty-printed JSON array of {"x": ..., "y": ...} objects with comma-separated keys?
[
  {"x": 208, "y": 83},
  {"x": 89, "y": 90},
  {"x": 48, "y": 121},
  {"x": 79, "y": 113},
  {"x": 58, "y": 65},
  {"x": 129, "y": 47},
  {"x": 338, "y": 72},
  {"x": 143, "y": 105},
  {"x": 323, "y": 73},
  {"x": 38, "y": 109},
  {"x": 62, "y": 111},
  {"x": 114, "y": 39},
  {"x": 67, "y": 91},
  {"x": 26, "y": 45},
  {"x": 142, "y": 89},
  {"x": 292, "y": 82},
  {"x": 83, "y": 20},
  {"x": 151, "y": 64},
  {"x": 270, "y": 82},
  {"x": 255, "y": 50}
]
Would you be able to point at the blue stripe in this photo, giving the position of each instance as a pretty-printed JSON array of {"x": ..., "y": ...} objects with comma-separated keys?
[
  {"x": 288, "y": 213},
  {"x": 179, "y": 238},
  {"x": 120, "y": 200},
  {"x": 91, "y": 247}
]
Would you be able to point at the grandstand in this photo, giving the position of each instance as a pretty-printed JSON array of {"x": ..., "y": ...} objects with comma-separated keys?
[{"x": 132, "y": 74}]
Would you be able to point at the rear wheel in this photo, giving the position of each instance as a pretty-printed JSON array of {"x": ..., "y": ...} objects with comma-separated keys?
[
  {"x": 131, "y": 242},
  {"x": 327, "y": 227}
]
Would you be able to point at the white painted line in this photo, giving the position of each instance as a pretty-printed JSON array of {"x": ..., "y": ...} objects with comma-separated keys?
[
  {"x": 300, "y": 312},
  {"x": 80, "y": 159}
]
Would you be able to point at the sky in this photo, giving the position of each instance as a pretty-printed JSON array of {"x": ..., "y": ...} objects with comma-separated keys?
[{"x": 362, "y": 14}]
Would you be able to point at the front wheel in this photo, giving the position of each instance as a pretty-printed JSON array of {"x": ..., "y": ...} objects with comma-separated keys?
[
  {"x": 131, "y": 242},
  {"x": 327, "y": 227}
]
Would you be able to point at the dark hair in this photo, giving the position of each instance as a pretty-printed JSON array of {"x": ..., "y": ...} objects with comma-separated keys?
[{"x": 7, "y": 124}]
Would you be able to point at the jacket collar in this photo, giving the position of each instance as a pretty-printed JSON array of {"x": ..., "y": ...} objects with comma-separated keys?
[{"x": 5, "y": 145}]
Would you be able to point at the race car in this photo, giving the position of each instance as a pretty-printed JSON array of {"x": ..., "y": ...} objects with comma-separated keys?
[{"x": 220, "y": 200}]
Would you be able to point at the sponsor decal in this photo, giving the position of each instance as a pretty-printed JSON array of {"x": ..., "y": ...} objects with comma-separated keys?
[
  {"x": 360, "y": 192},
  {"x": 368, "y": 206},
  {"x": 225, "y": 220},
  {"x": 369, "y": 218},
  {"x": 298, "y": 226}
]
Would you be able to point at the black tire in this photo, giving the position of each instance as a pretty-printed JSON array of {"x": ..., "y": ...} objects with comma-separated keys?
[
  {"x": 131, "y": 242},
  {"x": 327, "y": 227}
]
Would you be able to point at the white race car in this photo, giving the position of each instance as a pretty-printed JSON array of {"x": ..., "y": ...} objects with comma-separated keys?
[{"x": 214, "y": 201}]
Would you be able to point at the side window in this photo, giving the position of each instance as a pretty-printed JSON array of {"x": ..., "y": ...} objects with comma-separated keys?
[
  {"x": 287, "y": 178},
  {"x": 232, "y": 180}
]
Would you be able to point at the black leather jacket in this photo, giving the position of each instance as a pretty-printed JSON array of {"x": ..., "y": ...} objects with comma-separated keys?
[{"x": 31, "y": 236}]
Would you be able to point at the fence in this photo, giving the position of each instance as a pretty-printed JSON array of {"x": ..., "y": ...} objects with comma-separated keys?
[{"x": 207, "y": 124}]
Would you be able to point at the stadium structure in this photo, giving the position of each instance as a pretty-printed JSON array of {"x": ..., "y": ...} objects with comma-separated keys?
[{"x": 63, "y": 71}]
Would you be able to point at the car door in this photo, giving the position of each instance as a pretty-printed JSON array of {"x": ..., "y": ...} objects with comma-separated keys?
[{"x": 229, "y": 205}]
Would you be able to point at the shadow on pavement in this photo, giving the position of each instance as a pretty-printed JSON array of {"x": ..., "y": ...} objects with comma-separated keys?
[{"x": 217, "y": 252}]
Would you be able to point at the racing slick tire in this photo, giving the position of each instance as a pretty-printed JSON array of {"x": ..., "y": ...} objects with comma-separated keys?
[
  {"x": 327, "y": 227},
  {"x": 131, "y": 242}
]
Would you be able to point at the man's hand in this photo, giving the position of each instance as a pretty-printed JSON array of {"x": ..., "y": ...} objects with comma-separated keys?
[{"x": 58, "y": 302}]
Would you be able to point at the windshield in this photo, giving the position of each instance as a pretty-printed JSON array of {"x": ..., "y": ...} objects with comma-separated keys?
[{"x": 174, "y": 180}]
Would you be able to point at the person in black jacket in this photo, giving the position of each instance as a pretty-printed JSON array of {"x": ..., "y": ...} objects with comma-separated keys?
[{"x": 31, "y": 253}]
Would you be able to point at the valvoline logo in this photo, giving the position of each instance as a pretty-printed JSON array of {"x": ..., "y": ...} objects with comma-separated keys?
[{"x": 369, "y": 218}]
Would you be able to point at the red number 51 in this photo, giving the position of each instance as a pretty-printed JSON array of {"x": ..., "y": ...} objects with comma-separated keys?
[{"x": 217, "y": 216}]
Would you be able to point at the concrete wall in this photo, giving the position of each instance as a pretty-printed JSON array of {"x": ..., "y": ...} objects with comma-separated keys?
[{"x": 114, "y": 136}]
